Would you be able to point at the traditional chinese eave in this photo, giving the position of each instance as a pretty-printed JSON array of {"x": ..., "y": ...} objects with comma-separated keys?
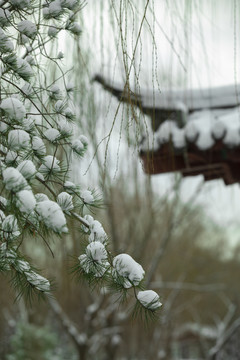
[
  {"x": 174, "y": 104},
  {"x": 193, "y": 131}
]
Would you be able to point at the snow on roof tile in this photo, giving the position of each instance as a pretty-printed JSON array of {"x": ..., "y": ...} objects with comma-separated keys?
[
  {"x": 211, "y": 114},
  {"x": 224, "y": 96},
  {"x": 203, "y": 128},
  {"x": 177, "y": 99}
]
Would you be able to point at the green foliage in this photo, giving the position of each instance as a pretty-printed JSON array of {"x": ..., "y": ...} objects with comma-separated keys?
[
  {"x": 31, "y": 342},
  {"x": 147, "y": 316}
]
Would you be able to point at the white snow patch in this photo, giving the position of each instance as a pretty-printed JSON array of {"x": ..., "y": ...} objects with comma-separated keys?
[
  {"x": 22, "y": 266},
  {"x": 41, "y": 197},
  {"x": 231, "y": 121},
  {"x": 87, "y": 196},
  {"x": 97, "y": 231},
  {"x": 52, "y": 215},
  {"x": 200, "y": 123},
  {"x": 11, "y": 156},
  {"x": 149, "y": 299},
  {"x": 77, "y": 145},
  {"x": 55, "y": 92},
  {"x": 26, "y": 201},
  {"x": 89, "y": 265},
  {"x": 13, "y": 108},
  {"x": 2, "y": 216},
  {"x": 20, "y": 4},
  {"x": 50, "y": 163},
  {"x": 60, "y": 56},
  {"x": 28, "y": 124},
  {"x": 127, "y": 267},
  {"x": 96, "y": 251},
  {"x": 84, "y": 263},
  {"x": 38, "y": 281},
  {"x": 27, "y": 28},
  {"x": 10, "y": 227},
  {"x": 75, "y": 28},
  {"x": 89, "y": 219},
  {"x": 116, "y": 340},
  {"x": 69, "y": 113},
  {"x": 23, "y": 68},
  {"x": 27, "y": 89},
  {"x": 40, "y": 176},
  {"x": 6, "y": 45},
  {"x": 69, "y": 4},
  {"x": 38, "y": 145},
  {"x": 5, "y": 16},
  {"x": 69, "y": 86},
  {"x": 27, "y": 169},
  {"x": 64, "y": 127},
  {"x": 218, "y": 130},
  {"x": 83, "y": 139},
  {"x": 65, "y": 201},
  {"x": 52, "y": 134},
  {"x": 18, "y": 139},
  {"x": 52, "y": 31},
  {"x": 55, "y": 8},
  {"x": 169, "y": 130},
  {"x": 14, "y": 180},
  {"x": 165, "y": 131},
  {"x": 70, "y": 186},
  {"x": 59, "y": 105},
  {"x": 30, "y": 60},
  {"x": 3, "y": 201},
  {"x": 3, "y": 127}
]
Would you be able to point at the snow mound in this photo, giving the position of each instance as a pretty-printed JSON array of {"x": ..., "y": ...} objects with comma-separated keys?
[
  {"x": 10, "y": 228},
  {"x": 87, "y": 196},
  {"x": 38, "y": 145},
  {"x": 27, "y": 28},
  {"x": 14, "y": 180},
  {"x": 13, "y": 108},
  {"x": 65, "y": 201},
  {"x": 18, "y": 139},
  {"x": 97, "y": 232},
  {"x": 5, "y": 16},
  {"x": 70, "y": 186},
  {"x": 149, "y": 299},
  {"x": 50, "y": 163},
  {"x": 24, "y": 69},
  {"x": 64, "y": 127},
  {"x": 26, "y": 201},
  {"x": 96, "y": 251},
  {"x": 6, "y": 45},
  {"x": 41, "y": 197},
  {"x": 125, "y": 266},
  {"x": 38, "y": 281},
  {"x": 27, "y": 169},
  {"x": 52, "y": 216},
  {"x": 52, "y": 134}
]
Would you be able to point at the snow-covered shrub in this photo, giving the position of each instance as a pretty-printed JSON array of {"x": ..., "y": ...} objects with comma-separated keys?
[
  {"x": 26, "y": 336},
  {"x": 37, "y": 145}
]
